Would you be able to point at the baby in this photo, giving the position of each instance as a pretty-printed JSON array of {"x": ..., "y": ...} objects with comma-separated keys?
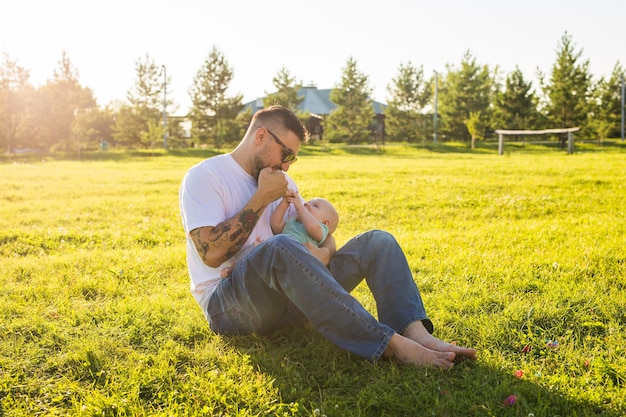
[{"x": 314, "y": 221}]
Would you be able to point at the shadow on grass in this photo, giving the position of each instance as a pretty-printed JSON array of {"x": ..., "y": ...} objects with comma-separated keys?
[
  {"x": 324, "y": 149},
  {"x": 308, "y": 370},
  {"x": 488, "y": 147},
  {"x": 109, "y": 155},
  {"x": 580, "y": 146},
  {"x": 460, "y": 148},
  {"x": 595, "y": 146}
]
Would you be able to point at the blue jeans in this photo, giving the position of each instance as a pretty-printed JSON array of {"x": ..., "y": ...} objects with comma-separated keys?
[{"x": 280, "y": 283}]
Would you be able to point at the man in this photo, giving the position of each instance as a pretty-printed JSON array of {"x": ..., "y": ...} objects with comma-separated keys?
[{"x": 226, "y": 202}]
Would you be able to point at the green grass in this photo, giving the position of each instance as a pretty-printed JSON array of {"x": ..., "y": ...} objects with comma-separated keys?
[{"x": 509, "y": 252}]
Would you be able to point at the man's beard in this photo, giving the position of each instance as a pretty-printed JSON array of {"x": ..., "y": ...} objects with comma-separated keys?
[{"x": 258, "y": 164}]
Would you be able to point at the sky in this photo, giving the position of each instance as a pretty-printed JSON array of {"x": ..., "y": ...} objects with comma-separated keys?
[{"x": 312, "y": 40}]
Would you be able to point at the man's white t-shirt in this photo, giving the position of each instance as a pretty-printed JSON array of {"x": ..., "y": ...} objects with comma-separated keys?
[{"x": 212, "y": 191}]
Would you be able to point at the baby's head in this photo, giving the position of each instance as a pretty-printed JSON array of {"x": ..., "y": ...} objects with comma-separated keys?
[{"x": 324, "y": 212}]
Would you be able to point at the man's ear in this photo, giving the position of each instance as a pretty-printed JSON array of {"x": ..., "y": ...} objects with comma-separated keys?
[{"x": 259, "y": 136}]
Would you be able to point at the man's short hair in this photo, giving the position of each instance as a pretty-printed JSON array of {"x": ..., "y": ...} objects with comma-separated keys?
[{"x": 277, "y": 115}]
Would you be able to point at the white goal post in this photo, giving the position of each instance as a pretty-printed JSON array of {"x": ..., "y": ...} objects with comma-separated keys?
[{"x": 570, "y": 136}]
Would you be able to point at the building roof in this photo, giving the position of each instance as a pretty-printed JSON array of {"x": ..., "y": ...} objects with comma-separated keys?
[{"x": 315, "y": 101}]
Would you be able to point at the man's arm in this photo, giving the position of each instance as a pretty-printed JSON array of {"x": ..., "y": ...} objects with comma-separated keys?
[{"x": 217, "y": 244}]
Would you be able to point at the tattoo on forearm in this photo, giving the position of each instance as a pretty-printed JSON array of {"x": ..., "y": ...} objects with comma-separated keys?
[
  {"x": 224, "y": 232},
  {"x": 248, "y": 219},
  {"x": 219, "y": 234},
  {"x": 236, "y": 234},
  {"x": 201, "y": 247},
  {"x": 234, "y": 251}
]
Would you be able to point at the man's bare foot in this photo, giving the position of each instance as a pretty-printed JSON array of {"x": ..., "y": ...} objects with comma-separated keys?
[
  {"x": 410, "y": 352},
  {"x": 418, "y": 333}
]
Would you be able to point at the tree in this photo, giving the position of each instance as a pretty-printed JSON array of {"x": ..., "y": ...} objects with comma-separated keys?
[
  {"x": 410, "y": 94},
  {"x": 286, "y": 93},
  {"x": 352, "y": 118},
  {"x": 465, "y": 90},
  {"x": 231, "y": 122},
  {"x": 475, "y": 126},
  {"x": 213, "y": 113},
  {"x": 129, "y": 126},
  {"x": 567, "y": 93},
  {"x": 93, "y": 126},
  {"x": 177, "y": 134},
  {"x": 16, "y": 98},
  {"x": 60, "y": 101},
  {"x": 147, "y": 92},
  {"x": 145, "y": 107},
  {"x": 515, "y": 108},
  {"x": 608, "y": 119},
  {"x": 154, "y": 134}
]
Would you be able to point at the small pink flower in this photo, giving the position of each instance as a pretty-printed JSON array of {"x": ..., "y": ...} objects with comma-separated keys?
[
  {"x": 519, "y": 373},
  {"x": 586, "y": 364},
  {"x": 510, "y": 400},
  {"x": 553, "y": 344}
]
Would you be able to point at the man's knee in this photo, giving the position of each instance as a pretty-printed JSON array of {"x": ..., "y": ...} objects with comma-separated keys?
[{"x": 380, "y": 237}]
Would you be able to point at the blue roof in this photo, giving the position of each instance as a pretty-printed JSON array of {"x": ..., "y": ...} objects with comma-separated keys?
[{"x": 315, "y": 101}]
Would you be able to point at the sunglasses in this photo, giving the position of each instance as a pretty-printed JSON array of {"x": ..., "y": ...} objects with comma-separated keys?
[{"x": 288, "y": 154}]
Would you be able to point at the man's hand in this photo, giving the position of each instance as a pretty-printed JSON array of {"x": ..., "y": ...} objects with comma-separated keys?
[{"x": 272, "y": 184}]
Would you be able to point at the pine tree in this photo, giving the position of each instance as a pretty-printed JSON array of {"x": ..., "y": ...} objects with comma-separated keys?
[
  {"x": 352, "y": 118},
  {"x": 147, "y": 92},
  {"x": 213, "y": 114},
  {"x": 515, "y": 108},
  {"x": 145, "y": 109},
  {"x": 404, "y": 114},
  {"x": 17, "y": 129},
  {"x": 286, "y": 93},
  {"x": 463, "y": 91},
  {"x": 609, "y": 99},
  {"x": 567, "y": 93},
  {"x": 62, "y": 98}
]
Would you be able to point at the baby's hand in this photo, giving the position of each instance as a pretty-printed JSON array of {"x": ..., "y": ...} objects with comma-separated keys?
[
  {"x": 295, "y": 199},
  {"x": 289, "y": 194}
]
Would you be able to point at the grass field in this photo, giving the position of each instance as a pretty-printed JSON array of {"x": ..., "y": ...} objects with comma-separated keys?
[{"x": 522, "y": 256}]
